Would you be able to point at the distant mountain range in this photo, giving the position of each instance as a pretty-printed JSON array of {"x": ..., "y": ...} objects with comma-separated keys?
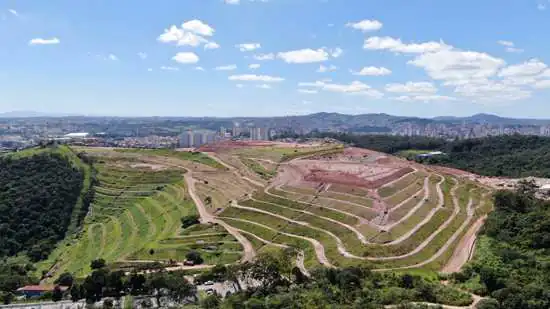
[{"x": 362, "y": 122}]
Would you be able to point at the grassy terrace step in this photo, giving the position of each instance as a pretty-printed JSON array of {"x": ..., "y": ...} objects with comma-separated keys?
[
  {"x": 321, "y": 211},
  {"x": 433, "y": 199},
  {"x": 358, "y": 210},
  {"x": 347, "y": 197},
  {"x": 404, "y": 194},
  {"x": 401, "y": 184},
  {"x": 196, "y": 157},
  {"x": 409, "y": 224},
  {"x": 310, "y": 259}
]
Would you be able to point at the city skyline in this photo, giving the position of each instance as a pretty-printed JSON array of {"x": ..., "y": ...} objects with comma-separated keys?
[{"x": 286, "y": 57}]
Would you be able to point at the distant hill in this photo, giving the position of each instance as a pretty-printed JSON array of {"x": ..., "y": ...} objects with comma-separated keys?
[{"x": 31, "y": 114}]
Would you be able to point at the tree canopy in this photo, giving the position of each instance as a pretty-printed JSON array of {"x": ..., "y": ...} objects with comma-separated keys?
[{"x": 37, "y": 197}]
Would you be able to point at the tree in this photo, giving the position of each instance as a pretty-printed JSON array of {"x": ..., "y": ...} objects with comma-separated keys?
[
  {"x": 211, "y": 302},
  {"x": 97, "y": 264},
  {"x": 108, "y": 303},
  {"x": 65, "y": 279},
  {"x": 57, "y": 294},
  {"x": 137, "y": 283},
  {"x": 114, "y": 284},
  {"x": 158, "y": 285},
  {"x": 76, "y": 292},
  {"x": 488, "y": 304},
  {"x": 189, "y": 220},
  {"x": 208, "y": 200},
  {"x": 194, "y": 256},
  {"x": 179, "y": 288}
]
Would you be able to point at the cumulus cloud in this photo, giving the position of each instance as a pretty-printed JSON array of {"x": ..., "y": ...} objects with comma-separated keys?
[
  {"x": 200, "y": 69},
  {"x": 211, "y": 45},
  {"x": 198, "y": 27},
  {"x": 244, "y": 47},
  {"x": 366, "y": 25},
  {"x": 307, "y": 55},
  {"x": 232, "y": 1},
  {"x": 239, "y": 85},
  {"x": 412, "y": 87},
  {"x": 458, "y": 65},
  {"x": 254, "y": 66},
  {"x": 264, "y": 86},
  {"x": 13, "y": 12},
  {"x": 330, "y": 68},
  {"x": 337, "y": 52},
  {"x": 262, "y": 57},
  {"x": 396, "y": 45},
  {"x": 528, "y": 68},
  {"x": 256, "y": 78},
  {"x": 41, "y": 41},
  {"x": 542, "y": 84},
  {"x": 186, "y": 57},
  {"x": 112, "y": 57},
  {"x": 355, "y": 87},
  {"x": 191, "y": 33},
  {"x": 492, "y": 91},
  {"x": 425, "y": 98},
  {"x": 142, "y": 55},
  {"x": 373, "y": 71},
  {"x": 229, "y": 67}
]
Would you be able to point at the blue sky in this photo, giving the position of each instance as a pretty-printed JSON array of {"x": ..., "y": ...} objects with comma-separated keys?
[{"x": 275, "y": 57}]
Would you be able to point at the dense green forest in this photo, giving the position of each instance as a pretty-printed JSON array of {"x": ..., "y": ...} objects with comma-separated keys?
[
  {"x": 506, "y": 155},
  {"x": 512, "y": 261},
  {"x": 38, "y": 193}
]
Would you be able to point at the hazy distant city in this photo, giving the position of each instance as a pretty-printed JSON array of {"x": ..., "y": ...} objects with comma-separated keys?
[{"x": 162, "y": 132}]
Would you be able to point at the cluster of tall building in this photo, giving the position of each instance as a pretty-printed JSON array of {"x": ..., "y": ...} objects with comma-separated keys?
[{"x": 193, "y": 139}]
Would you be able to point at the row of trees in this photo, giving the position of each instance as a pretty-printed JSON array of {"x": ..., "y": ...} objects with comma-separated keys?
[{"x": 37, "y": 197}]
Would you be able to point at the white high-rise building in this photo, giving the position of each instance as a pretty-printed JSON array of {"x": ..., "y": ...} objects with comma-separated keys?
[
  {"x": 186, "y": 139},
  {"x": 259, "y": 134}
]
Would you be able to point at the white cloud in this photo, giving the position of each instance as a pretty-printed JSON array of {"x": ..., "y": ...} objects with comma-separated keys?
[
  {"x": 200, "y": 69},
  {"x": 256, "y": 78},
  {"x": 308, "y": 91},
  {"x": 181, "y": 37},
  {"x": 337, "y": 52},
  {"x": 142, "y": 55},
  {"x": 307, "y": 55},
  {"x": 510, "y": 46},
  {"x": 40, "y": 41},
  {"x": 149, "y": 70},
  {"x": 264, "y": 86},
  {"x": 229, "y": 67},
  {"x": 458, "y": 65},
  {"x": 366, "y": 25},
  {"x": 239, "y": 85},
  {"x": 248, "y": 46},
  {"x": 412, "y": 87},
  {"x": 232, "y": 1},
  {"x": 211, "y": 45},
  {"x": 492, "y": 91},
  {"x": 13, "y": 12},
  {"x": 330, "y": 68},
  {"x": 186, "y": 57},
  {"x": 541, "y": 6},
  {"x": 396, "y": 45},
  {"x": 167, "y": 68},
  {"x": 425, "y": 98},
  {"x": 373, "y": 71},
  {"x": 542, "y": 84},
  {"x": 254, "y": 66},
  {"x": 506, "y": 43},
  {"x": 198, "y": 27},
  {"x": 355, "y": 87},
  {"x": 528, "y": 68},
  {"x": 262, "y": 57},
  {"x": 112, "y": 57}
]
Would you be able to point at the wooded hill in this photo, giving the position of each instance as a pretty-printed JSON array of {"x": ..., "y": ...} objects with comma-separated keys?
[{"x": 44, "y": 193}]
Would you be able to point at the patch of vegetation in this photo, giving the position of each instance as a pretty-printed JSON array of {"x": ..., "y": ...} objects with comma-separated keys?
[
  {"x": 512, "y": 261},
  {"x": 258, "y": 168},
  {"x": 193, "y": 156},
  {"x": 38, "y": 194}
]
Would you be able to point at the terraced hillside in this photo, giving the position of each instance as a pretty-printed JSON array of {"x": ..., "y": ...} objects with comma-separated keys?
[
  {"x": 344, "y": 207},
  {"x": 135, "y": 216}
]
